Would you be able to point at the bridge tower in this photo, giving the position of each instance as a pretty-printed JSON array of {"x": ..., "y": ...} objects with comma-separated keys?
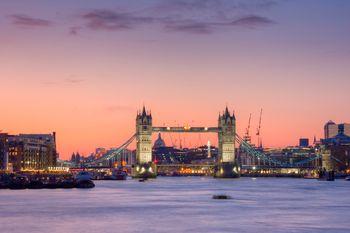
[
  {"x": 327, "y": 163},
  {"x": 144, "y": 167},
  {"x": 227, "y": 166}
]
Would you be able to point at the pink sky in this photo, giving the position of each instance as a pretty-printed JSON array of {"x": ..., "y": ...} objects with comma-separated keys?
[{"x": 88, "y": 85}]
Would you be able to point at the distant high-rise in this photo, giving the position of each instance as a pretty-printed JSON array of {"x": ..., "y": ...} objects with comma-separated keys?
[
  {"x": 331, "y": 129},
  {"x": 303, "y": 142},
  {"x": 99, "y": 152}
]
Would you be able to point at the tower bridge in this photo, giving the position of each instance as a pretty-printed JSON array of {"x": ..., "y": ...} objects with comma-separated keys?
[{"x": 226, "y": 165}]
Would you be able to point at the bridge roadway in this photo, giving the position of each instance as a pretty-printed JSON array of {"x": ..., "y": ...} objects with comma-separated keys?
[{"x": 186, "y": 129}]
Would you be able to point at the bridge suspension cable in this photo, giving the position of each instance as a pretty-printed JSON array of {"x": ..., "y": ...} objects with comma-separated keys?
[
  {"x": 305, "y": 161},
  {"x": 250, "y": 150},
  {"x": 118, "y": 151}
]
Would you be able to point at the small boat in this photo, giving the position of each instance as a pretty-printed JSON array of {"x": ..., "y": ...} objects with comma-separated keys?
[
  {"x": 222, "y": 197},
  {"x": 119, "y": 174},
  {"x": 85, "y": 184},
  {"x": 142, "y": 179},
  {"x": 52, "y": 183},
  {"x": 68, "y": 184},
  {"x": 19, "y": 182},
  {"x": 83, "y": 176},
  {"x": 309, "y": 175},
  {"x": 84, "y": 180},
  {"x": 4, "y": 182},
  {"x": 35, "y": 184},
  {"x": 3, "y": 185},
  {"x": 347, "y": 178}
]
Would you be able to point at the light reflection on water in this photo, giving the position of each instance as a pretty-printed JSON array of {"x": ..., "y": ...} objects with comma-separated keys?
[{"x": 181, "y": 204}]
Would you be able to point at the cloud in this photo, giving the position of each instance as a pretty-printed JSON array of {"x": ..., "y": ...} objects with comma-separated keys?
[
  {"x": 112, "y": 20},
  {"x": 189, "y": 27},
  {"x": 187, "y": 16},
  {"x": 186, "y": 5},
  {"x": 74, "y": 31},
  {"x": 27, "y": 21},
  {"x": 251, "y": 21},
  {"x": 73, "y": 80}
]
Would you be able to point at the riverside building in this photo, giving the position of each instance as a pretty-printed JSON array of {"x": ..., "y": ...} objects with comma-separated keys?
[
  {"x": 339, "y": 146},
  {"x": 32, "y": 152}
]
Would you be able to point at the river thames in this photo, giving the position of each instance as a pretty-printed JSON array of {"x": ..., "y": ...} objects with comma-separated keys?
[{"x": 181, "y": 204}]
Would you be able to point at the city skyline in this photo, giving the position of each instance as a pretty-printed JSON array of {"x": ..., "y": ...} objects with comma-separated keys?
[{"x": 83, "y": 72}]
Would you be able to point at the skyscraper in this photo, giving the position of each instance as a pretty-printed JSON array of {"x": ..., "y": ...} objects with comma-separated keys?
[{"x": 331, "y": 129}]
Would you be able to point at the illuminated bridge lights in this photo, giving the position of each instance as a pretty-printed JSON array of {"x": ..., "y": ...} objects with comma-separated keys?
[{"x": 187, "y": 127}]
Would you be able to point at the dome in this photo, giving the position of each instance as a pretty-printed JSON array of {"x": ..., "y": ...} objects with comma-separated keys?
[
  {"x": 159, "y": 142},
  {"x": 330, "y": 123}
]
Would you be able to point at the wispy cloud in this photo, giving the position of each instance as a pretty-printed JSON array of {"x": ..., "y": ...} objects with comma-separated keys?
[
  {"x": 189, "y": 27},
  {"x": 74, "y": 31},
  {"x": 190, "y": 16},
  {"x": 113, "y": 20},
  {"x": 27, "y": 21},
  {"x": 251, "y": 21},
  {"x": 73, "y": 80}
]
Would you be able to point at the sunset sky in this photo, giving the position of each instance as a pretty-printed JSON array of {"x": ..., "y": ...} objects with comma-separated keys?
[{"x": 83, "y": 68}]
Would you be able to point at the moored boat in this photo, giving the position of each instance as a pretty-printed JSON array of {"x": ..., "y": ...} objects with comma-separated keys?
[
  {"x": 18, "y": 182},
  {"x": 52, "y": 183},
  {"x": 310, "y": 175},
  {"x": 68, "y": 184},
  {"x": 83, "y": 176},
  {"x": 119, "y": 174},
  {"x": 35, "y": 184},
  {"x": 84, "y": 180},
  {"x": 85, "y": 184}
]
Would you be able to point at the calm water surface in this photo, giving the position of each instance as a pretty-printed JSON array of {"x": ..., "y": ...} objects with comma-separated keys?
[{"x": 181, "y": 204}]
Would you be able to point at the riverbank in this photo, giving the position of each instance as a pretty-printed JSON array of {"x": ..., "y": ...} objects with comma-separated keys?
[{"x": 41, "y": 181}]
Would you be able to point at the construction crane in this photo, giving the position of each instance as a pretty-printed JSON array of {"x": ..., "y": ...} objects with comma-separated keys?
[
  {"x": 247, "y": 137},
  {"x": 258, "y": 130}
]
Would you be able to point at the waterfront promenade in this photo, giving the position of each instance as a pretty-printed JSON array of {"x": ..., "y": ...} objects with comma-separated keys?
[{"x": 181, "y": 204}]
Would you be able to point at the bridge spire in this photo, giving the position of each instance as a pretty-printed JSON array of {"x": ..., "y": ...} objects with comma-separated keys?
[{"x": 144, "y": 111}]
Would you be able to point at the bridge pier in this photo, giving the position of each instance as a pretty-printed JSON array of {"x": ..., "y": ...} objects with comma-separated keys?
[
  {"x": 145, "y": 170},
  {"x": 327, "y": 172},
  {"x": 227, "y": 170}
]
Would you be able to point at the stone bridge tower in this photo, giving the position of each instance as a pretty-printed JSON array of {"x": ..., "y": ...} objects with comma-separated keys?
[
  {"x": 227, "y": 166},
  {"x": 144, "y": 167}
]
